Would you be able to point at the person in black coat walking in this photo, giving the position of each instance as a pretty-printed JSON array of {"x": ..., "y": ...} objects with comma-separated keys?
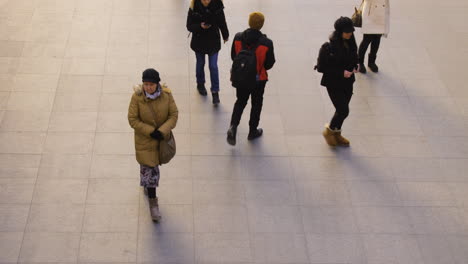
[
  {"x": 205, "y": 20},
  {"x": 339, "y": 64}
]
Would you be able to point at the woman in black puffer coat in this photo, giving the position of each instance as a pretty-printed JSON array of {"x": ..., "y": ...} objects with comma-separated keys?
[
  {"x": 340, "y": 63},
  {"x": 205, "y": 20}
]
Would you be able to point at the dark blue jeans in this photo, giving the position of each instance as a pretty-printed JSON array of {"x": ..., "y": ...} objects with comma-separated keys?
[{"x": 214, "y": 72}]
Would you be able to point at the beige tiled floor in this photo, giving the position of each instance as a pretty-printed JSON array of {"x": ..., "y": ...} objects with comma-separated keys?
[{"x": 69, "y": 187}]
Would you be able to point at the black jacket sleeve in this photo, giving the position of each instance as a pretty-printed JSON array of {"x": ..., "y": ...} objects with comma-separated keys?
[
  {"x": 192, "y": 26},
  {"x": 223, "y": 25},
  {"x": 270, "y": 56}
]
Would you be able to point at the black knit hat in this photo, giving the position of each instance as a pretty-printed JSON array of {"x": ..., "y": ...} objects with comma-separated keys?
[
  {"x": 344, "y": 24},
  {"x": 151, "y": 75}
]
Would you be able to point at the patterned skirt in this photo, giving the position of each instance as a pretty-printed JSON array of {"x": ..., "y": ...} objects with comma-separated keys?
[{"x": 149, "y": 176}]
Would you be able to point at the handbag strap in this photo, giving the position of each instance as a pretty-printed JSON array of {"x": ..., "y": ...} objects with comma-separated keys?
[
  {"x": 362, "y": 3},
  {"x": 153, "y": 113}
]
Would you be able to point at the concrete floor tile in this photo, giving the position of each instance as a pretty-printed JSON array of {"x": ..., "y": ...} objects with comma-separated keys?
[
  {"x": 378, "y": 193},
  {"x": 279, "y": 248},
  {"x": 25, "y": 101},
  {"x": 101, "y": 192},
  {"x": 426, "y": 194},
  {"x": 435, "y": 249},
  {"x": 220, "y": 219},
  {"x": 216, "y": 168},
  {"x": 76, "y": 102},
  {"x": 110, "y": 218},
  {"x": 16, "y": 191},
  {"x": 328, "y": 220},
  {"x": 53, "y": 166},
  {"x": 115, "y": 166},
  {"x": 223, "y": 248},
  {"x": 73, "y": 122},
  {"x": 274, "y": 219},
  {"x": 270, "y": 192},
  {"x": 383, "y": 220},
  {"x": 113, "y": 122},
  {"x": 58, "y": 191},
  {"x": 55, "y": 218},
  {"x": 108, "y": 247},
  {"x": 35, "y": 83},
  {"x": 50, "y": 247},
  {"x": 13, "y": 217},
  {"x": 91, "y": 84},
  {"x": 335, "y": 248},
  {"x": 19, "y": 165},
  {"x": 397, "y": 195},
  {"x": 11, "y": 245},
  {"x": 392, "y": 249},
  {"x": 167, "y": 247},
  {"x": 322, "y": 193},
  {"x": 114, "y": 143},
  {"x": 69, "y": 143},
  {"x": 317, "y": 168},
  {"x": 218, "y": 192}
]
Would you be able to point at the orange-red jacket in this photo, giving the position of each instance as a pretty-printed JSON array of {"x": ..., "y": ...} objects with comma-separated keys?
[{"x": 265, "y": 52}]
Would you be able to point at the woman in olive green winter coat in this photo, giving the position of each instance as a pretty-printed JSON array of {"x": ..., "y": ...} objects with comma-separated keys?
[{"x": 152, "y": 114}]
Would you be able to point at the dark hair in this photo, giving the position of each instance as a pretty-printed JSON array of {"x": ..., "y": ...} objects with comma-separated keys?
[{"x": 336, "y": 38}]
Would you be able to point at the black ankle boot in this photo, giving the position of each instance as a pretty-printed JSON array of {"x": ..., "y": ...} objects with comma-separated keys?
[
  {"x": 255, "y": 133},
  {"x": 201, "y": 89},
  {"x": 373, "y": 67},
  {"x": 371, "y": 63},
  {"x": 231, "y": 135},
  {"x": 215, "y": 98},
  {"x": 362, "y": 68}
]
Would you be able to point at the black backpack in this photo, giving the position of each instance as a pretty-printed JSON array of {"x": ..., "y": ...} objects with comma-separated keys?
[
  {"x": 244, "y": 67},
  {"x": 324, "y": 54}
]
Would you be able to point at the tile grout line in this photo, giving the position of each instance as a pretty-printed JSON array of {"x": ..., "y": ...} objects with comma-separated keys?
[
  {"x": 43, "y": 144},
  {"x": 189, "y": 78},
  {"x": 137, "y": 246},
  {"x": 92, "y": 154}
]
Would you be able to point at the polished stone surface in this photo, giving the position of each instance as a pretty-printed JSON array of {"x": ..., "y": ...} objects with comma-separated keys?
[{"x": 69, "y": 186}]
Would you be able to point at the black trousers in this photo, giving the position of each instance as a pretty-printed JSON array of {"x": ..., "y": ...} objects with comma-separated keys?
[
  {"x": 374, "y": 41},
  {"x": 243, "y": 95},
  {"x": 151, "y": 192},
  {"x": 340, "y": 96}
]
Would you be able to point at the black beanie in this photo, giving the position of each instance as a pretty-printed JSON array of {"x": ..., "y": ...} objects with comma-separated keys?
[
  {"x": 344, "y": 24},
  {"x": 151, "y": 75}
]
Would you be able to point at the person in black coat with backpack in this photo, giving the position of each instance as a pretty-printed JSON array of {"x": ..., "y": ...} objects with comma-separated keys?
[
  {"x": 262, "y": 52},
  {"x": 205, "y": 20},
  {"x": 338, "y": 61}
]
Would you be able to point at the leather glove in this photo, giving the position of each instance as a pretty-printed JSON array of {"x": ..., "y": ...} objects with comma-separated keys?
[{"x": 156, "y": 134}]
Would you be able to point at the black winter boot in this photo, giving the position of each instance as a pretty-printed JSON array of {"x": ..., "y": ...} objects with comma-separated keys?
[
  {"x": 215, "y": 98},
  {"x": 253, "y": 134},
  {"x": 372, "y": 66},
  {"x": 201, "y": 89},
  {"x": 231, "y": 135},
  {"x": 362, "y": 68}
]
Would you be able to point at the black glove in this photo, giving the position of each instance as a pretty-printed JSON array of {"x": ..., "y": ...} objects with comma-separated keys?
[{"x": 156, "y": 134}]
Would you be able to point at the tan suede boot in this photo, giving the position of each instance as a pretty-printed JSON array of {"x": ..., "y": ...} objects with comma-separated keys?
[
  {"x": 154, "y": 209},
  {"x": 329, "y": 136},
  {"x": 340, "y": 140}
]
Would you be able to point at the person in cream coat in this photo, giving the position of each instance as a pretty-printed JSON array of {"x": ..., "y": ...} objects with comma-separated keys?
[{"x": 375, "y": 24}]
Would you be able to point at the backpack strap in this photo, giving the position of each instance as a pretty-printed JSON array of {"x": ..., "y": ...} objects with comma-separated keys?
[{"x": 245, "y": 47}]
